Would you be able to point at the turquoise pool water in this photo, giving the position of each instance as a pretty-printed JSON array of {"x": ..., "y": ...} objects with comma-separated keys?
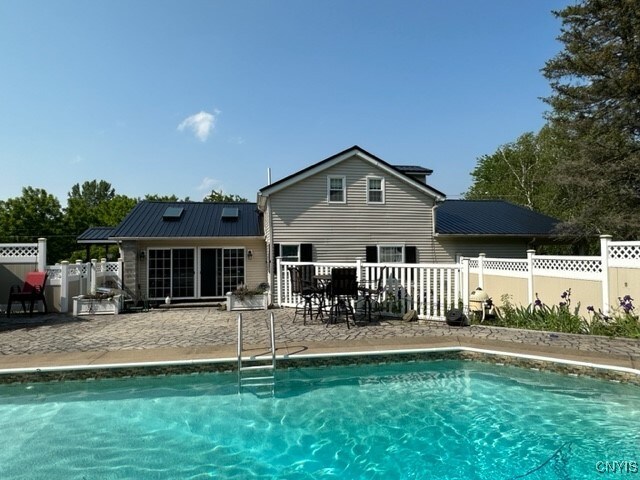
[{"x": 431, "y": 420}]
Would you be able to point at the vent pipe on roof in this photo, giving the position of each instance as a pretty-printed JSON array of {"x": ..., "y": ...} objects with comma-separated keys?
[{"x": 268, "y": 176}]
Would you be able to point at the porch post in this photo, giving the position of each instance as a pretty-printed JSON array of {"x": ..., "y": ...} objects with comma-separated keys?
[{"x": 604, "y": 259}]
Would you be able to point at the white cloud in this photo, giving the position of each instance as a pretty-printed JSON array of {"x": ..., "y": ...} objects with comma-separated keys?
[
  {"x": 202, "y": 124},
  {"x": 207, "y": 184}
]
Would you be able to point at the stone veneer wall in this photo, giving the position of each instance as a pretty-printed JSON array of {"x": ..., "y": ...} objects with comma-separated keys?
[{"x": 129, "y": 252}]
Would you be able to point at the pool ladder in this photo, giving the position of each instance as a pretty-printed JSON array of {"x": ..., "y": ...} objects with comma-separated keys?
[{"x": 258, "y": 371}]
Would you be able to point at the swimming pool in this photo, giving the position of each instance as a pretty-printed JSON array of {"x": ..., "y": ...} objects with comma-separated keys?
[{"x": 438, "y": 420}]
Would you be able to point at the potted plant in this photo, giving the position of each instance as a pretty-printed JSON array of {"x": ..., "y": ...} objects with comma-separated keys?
[
  {"x": 97, "y": 304},
  {"x": 244, "y": 298}
]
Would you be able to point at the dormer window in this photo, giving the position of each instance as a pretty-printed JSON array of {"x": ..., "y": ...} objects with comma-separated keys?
[
  {"x": 375, "y": 190},
  {"x": 336, "y": 190}
]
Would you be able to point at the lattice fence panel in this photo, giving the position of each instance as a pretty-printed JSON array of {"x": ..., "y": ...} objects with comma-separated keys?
[
  {"x": 581, "y": 268},
  {"x": 18, "y": 251},
  {"x": 625, "y": 254},
  {"x": 505, "y": 267}
]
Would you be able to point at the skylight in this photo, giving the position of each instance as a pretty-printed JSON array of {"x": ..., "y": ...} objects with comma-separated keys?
[
  {"x": 172, "y": 213},
  {"x": 230, "y": 213}
]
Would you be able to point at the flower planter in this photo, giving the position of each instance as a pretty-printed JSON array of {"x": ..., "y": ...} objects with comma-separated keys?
[
  {"x": 247, "y": 302},
  {"x": 84, "y": 305}
]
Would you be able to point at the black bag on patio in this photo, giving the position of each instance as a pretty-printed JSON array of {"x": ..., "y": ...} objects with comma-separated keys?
[{"x": 456, "y": 318}]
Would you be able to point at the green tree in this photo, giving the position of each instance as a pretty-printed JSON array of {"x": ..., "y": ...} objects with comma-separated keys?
[
  {"x": 216, "y": 196},
  {"x": 596, "y": 105},
  {"x": 164, "y": 198},
  {"x": 518, "y": 172},
  {"x": 35, "y": 214},
  {"x": 113, "y": 211}
]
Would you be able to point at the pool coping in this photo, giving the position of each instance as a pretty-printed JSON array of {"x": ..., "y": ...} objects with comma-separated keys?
[{"x": 568, "y": 363}]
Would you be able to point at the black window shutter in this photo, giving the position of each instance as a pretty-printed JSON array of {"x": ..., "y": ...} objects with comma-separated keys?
[
  {"x": 276, "y": 253},
  {"x": 410, "y": 255},
  {"x": 306, "y": 252},
  {"x": 372, "y": 254}
]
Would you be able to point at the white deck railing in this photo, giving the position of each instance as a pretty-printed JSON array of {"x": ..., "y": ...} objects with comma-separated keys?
[{"x": 429, "y": 289}]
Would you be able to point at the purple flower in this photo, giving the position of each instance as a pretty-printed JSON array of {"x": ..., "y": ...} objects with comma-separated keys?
[
  {"x": 625, "y": 303},
  {"x": 538, "y": 302},
  {"x": 590, "y": 308},
  {"x": 564, "y": 294}
]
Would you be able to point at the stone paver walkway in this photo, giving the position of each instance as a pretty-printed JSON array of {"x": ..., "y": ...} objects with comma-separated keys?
[{"x": 206, "y": 332}]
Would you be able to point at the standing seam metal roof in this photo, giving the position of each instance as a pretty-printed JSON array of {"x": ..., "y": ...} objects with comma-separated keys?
[
  {"x": 491, "y": 217},
  {"x": 199, "y": 219}
]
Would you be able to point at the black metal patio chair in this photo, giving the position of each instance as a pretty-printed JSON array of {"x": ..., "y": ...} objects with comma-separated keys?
[
  {"x": 308, "y": 292},
  {"x": 343, "y": 289}
]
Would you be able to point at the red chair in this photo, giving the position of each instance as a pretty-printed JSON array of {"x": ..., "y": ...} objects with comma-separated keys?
[{"x": 31, "y": 291}]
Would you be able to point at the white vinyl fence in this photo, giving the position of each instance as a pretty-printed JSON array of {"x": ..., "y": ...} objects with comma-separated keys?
[
  {"x": 68, "y": 280},
  {"x": 64, "y": 280},
  {"x": 597, "y": 281}
]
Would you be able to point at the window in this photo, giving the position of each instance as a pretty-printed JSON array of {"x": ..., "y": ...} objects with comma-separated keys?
[
  {"x": 391, "y": 254},
  {"x": 336, "y": 189},
  {"x": 375, "y": 190},
  {"x": 289, "y": 252}
]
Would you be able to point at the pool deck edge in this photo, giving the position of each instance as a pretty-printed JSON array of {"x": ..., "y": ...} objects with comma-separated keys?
[{"x": 176, "y": 356}]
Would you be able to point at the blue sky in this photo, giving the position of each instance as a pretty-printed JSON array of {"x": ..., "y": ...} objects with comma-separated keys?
[{"x": 182, "y": 97}]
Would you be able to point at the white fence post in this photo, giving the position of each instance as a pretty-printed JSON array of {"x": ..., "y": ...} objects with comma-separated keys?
[
  {"x": 604, "y": 258},
  {"x": 81, "y": 280},
  {"x": 92, "y": 276},
  {"x": 64, "y": 287},
  {"x": 465, "y": 284},
  {"x": 481, "y": 257},
  {"x": 42, "y": 254},
  {"x": 279, "y": 277},
  {"x": 530, "y": 254},
  {"x": 359, "y": 269}
]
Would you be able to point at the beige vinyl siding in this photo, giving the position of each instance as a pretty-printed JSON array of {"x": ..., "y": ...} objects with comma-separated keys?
[
  {"x": 341, "y": 231},
  {"x": 447, "y": 248}
]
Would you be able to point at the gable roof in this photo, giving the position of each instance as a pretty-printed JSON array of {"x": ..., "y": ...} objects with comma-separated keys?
[
  {"x": 95, "y": 235},
  {"x": 188, "y": 220},
  {"x": 491, "y": 217},
  {"x": 342, "y": 156}
]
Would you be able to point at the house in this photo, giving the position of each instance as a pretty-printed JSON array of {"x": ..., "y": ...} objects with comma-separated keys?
[
  {"x": 191, "y": 250},
  {"x": 354, "y": 204},
  {"x": 350, "y": 205}
]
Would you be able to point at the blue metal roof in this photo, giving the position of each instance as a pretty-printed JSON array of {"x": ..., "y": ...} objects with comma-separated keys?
[
  {"x": 96, "y": 235},
  {"x": 198, "y": 219},
  {"x": 491, "y": 217}
]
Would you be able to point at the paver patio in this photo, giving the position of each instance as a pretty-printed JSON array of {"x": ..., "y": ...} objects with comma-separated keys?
[{"x": 207, "y": 333}]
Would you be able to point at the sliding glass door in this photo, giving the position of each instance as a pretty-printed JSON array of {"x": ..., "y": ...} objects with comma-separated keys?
[
  {"x": 171, "y": 273},
  {"x": 221, "y": 270}
]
